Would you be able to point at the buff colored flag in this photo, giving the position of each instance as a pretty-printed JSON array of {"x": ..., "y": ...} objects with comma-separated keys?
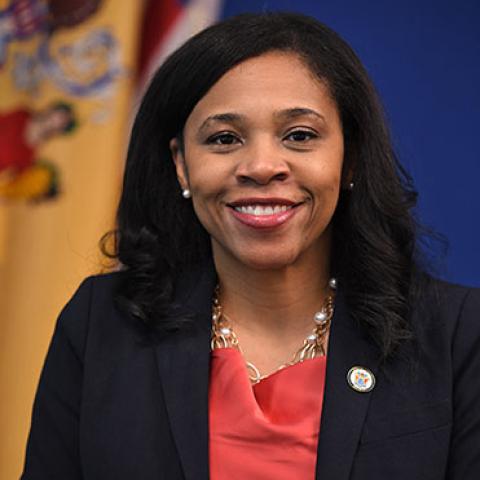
[{"x": 66, "y": 79}]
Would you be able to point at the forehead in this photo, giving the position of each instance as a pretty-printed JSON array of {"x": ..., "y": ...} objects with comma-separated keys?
[{"x": 271, "y": 82}]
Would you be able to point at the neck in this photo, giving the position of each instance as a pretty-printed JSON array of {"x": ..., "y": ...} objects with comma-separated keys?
[{"x": 281, "y": 302}]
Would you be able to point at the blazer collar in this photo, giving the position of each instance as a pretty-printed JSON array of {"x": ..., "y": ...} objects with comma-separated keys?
[
  {"x": 183, "y": 360},
  {"x": 344, "y": 409}
]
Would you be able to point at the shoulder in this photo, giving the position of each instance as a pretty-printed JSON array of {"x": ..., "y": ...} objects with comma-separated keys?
[
  {"x": 464, "y": 322},
  {"x": 96, "y": 289},
  {"x": 449, "y": 312},
  {"x": 92, "y": 302},
  {"x": 446, "y": 303}
]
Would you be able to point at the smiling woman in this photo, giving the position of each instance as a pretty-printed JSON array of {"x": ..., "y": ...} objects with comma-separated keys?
[
  {"x": 272, "y": 315},
  {"x": 266, "y": 136}
]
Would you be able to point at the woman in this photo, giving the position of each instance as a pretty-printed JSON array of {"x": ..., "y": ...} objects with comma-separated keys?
[{"x": 261, "y": 186}]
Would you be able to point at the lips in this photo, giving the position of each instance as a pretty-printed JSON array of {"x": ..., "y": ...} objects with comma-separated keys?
[{"x": 263, "y": 213}]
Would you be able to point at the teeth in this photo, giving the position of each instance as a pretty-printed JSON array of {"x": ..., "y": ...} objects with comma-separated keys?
[{"x": 262, "y": 209}]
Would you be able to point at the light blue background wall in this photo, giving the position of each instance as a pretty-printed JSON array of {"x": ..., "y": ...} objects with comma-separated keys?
[{"x": 424, "y": 57}]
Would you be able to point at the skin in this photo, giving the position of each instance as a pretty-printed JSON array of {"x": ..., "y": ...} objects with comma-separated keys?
[{"x": 267, "y": 128}]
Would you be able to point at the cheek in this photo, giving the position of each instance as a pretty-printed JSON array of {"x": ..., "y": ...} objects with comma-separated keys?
[
  {"x": 325, "y": 190},
  {"x": 324, "y": 207},
  {"x": 208, "y": 183},
  {"x": 326, "y": 180}
]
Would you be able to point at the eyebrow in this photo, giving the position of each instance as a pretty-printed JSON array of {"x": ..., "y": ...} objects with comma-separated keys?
[
  {"x": 221, "y": 117},
  {"x": 298, "y": 112},
  {"x": 232, "y": 117}
]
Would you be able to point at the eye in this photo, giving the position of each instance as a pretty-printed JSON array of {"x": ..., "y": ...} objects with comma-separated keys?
[
  {"x": 223, "y": 138},
  {"x": 301, "y": 136}
]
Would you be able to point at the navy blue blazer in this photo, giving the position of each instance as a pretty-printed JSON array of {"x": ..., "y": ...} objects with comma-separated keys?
[{"x": 111, "y": 407}]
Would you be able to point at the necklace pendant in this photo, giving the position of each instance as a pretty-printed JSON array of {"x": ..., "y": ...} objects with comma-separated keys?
[{"x": 223, "y": 335}]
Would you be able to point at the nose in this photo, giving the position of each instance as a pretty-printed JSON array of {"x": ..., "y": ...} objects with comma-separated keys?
[{"x": 261, "y": 164}]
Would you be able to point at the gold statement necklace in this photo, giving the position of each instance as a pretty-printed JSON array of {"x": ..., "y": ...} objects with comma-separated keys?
[{"x": 223, "y": 335}]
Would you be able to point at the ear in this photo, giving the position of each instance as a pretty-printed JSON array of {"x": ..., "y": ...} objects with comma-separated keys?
[{"x": 179, "y": 161}]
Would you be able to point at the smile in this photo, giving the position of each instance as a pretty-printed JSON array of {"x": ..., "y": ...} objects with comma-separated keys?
[
  {"x": 263, "y": 213},
  {"x": 260, "y": 210}
]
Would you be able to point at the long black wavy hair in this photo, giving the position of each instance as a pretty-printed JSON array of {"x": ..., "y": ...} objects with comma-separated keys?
[{"x": 375, "y": 254}]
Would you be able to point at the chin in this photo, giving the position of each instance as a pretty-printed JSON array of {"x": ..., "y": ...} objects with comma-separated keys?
[{"x": 268, "y": 260}]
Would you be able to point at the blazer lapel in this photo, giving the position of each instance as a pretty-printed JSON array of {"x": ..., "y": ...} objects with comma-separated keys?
[
  {"x": 344, "y": 409},
  {"x": 183, "y": 360}
]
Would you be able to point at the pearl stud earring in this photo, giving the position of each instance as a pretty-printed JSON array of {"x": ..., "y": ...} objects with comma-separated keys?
[
  {"x": 351, "y": 185},
  {"x": 186, "y": 193}
]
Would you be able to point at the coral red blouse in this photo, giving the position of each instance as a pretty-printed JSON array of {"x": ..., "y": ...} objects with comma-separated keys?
[{"x": 268, "y": 430}]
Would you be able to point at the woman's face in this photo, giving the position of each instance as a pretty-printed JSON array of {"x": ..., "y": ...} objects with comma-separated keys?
[{"x": 263, "y": 161}]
